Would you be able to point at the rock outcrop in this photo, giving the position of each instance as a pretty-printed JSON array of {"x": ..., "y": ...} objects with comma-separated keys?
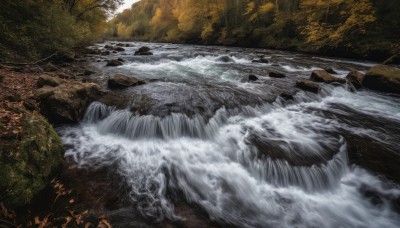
[
  {"x": 383, "y": 78},
  {"x": 66, "y": 102},
  {"x": 29, "y": 160}
]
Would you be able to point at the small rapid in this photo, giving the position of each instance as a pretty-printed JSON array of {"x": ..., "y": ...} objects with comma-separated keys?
[{"x": 283, "y": 163}]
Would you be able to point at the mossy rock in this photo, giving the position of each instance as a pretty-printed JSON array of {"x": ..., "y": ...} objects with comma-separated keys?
[
  {"x": 383, "y": 78},
  {"x": 28, "y": 162}
]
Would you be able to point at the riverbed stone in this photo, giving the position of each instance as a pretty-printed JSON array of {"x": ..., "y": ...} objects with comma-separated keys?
[
  {"x": 114, "y": 62},
  {"x": 252, "y": 78},
  {"x": 276, "y": 75},
  {"x": 383, "y": 78},
  {"x": 356, "y": 78},
  {"x": 143, "y": 51},
  {"x": 323, "y": 76},
  {"x": 120, "y": 81},
  {"x": 308, "y": 86}
]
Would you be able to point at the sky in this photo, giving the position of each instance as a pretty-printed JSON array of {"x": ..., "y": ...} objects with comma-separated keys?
[{"x": 127, "y": 4}]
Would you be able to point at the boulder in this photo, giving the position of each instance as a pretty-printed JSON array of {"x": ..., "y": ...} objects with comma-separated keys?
[
  {"x": 356, "y": 78},
  {"x": 323, "y": 76},
  {"x": 30, "y": 161},
  {"x": 225, "y": 59},
  {"x": 143, "y": 51},
  {"x": 252, "y": 78},
  {"x": 330, "y": 70},
  {"x": 114, "y": 62},
  {"x": 67, "y": 102},
  {"x": 120, "y": 81},
  {"x": 276, "y": 75},
  {"x": 383, "y": 78},
  {"x": 46, "y": 80},
  {"x": 307, "y": 85},
  {"x": 286, "y": 96}
]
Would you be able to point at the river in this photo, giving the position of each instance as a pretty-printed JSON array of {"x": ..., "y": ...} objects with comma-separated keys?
[{"x": 199, "y": 137}]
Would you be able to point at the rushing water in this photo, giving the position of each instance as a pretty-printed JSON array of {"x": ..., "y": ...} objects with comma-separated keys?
[{"x": 198, "y": 132}]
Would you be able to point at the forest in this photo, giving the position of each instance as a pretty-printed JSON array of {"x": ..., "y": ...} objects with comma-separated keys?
[
  {"x": 31, "y": 29},
  {"x": 353, "y": 28}
]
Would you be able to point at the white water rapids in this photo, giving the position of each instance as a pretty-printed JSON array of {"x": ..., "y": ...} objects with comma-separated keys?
[{"x": 279, "y": 164}]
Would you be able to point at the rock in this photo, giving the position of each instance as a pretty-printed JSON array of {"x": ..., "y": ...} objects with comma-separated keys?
[
  {"x": 307, "y": 85},
  {"x": 30, "y": 161},
  {"x": 119, "y": 49},
  {"x": 115, "y": 100},
  {"x": 120, "y": 81},
  {"x": 330, "y": 70},
  {"x": 383, "y": 78},
  {"x": 323, "y": 76},
  {"x": 286, "y": 96},
  {"x": 252, "y": 78},
  {"x": 105, "y": 53},
  {"x": 120, "y": 45},
  {"x": 67, "y": 102},
  {"x": 143, "y": 51},
  {"x": 128, "y": 45},
  {"x": 121, "y": 60},
  {"x": 356, "y": 78},
  {"x": 114, "y": 62},
  {"x": 92, "y": 51},
  {"x": 46, "y": 80},
  {"x": 225, "y": 59},
  {"x": 261, "y": 60},
  {"x": 108, "y": 47},
  {"x": 276, "y": 75},
  {"x": 29, "y": 105}
]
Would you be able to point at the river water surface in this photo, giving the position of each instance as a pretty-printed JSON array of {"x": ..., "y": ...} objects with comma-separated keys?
[{"x": 199, "y": 134}]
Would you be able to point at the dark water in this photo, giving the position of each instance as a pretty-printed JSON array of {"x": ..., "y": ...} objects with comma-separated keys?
[{"x": 199, "y": 134}]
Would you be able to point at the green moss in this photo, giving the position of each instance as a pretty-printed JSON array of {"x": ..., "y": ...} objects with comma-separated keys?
[{"x": 28, "y": 163}]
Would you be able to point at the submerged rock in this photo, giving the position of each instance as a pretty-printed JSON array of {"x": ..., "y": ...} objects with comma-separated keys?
[
  {"x": 307, "y": 85},
  {"x": 121, "y": 81},
  {"x": 276, "y": 75},
  {"x": 119, "y": 49},
  {"x": 252, "y": 78},
  {"x": 323, "y": 76},
  {"x": 286, "y": 96},
  {"x": 225, "y": 59},
  {"x": 143, "y": 51},
  {"x": 383, "y": 78},
  {"x": 261, "y": 60},
  {"x": 28, "y": 162},
  {"x": 67, "y": 102},
  {"x": 356, "y": 78}
]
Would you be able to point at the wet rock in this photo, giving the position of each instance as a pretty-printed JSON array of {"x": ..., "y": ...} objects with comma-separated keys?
[
  {"x": 115, "y": 100},
  {"x": 120, "y": 45},
  {"x": 67, "y": 102},
  {"x": 261, "y": 60},
  {"x": 119, "y": 49},
  {"x": 356, "y": 78},
  {"x": 323, "y": 76},
  {"x": 29, "y": 161},
  {"x": 143, "y": 51},
  {"x": 276, "y": 75},
  {"x": 46, "y": 80},
  {"x": 121, "y": 81},
  {"x": 330, "y": 70},
  {"x": 105, "y": 53},
  {"x": 114, "y": 62},
  {"x": 307, "y": 85},
  {"x": 383, "y": 78},
  {"x": 121, "y": 60},
  {"x": 252, "y": 78},
  {"x": 286, "y": 96},
  {"x": 108, "y": 47},
  {"x": 88, "y": 72},
  {"x": 225, "y": 59}
]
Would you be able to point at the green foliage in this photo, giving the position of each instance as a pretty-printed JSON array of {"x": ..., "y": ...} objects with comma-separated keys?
[{"x": 36, "y": 28}]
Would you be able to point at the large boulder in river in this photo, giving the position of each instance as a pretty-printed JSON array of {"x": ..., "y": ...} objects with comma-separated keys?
[
  {"x": 383, "y": 78},
  {"x": 307, "y": 85},
  {"x": 120, "y": 81},
  {"x": 67, "y": 102},
  {"x": 323, "y": 76},
  {"x": 143, "y": 51},
  {"x": 29, "y": 159},
  {"x": 356, "y": 78}
]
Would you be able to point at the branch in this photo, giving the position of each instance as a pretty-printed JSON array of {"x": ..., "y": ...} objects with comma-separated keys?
[
  {"x": 90, "y": 8},
  {"x": 390, "y": 59}
]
